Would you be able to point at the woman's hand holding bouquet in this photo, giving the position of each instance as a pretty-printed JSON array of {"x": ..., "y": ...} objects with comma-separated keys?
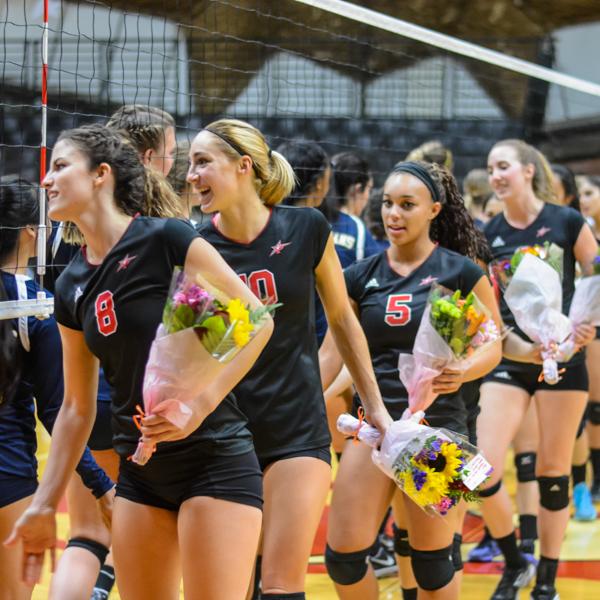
[
  {"x": 201, "y": 331},
  {"x": 434, "y": 467},
  {"x": 452, "y": 331}
]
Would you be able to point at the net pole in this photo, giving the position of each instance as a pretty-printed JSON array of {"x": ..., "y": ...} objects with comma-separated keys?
[
  {"x": 41, "y": 238},
  {"x": 451, "y": 44}
]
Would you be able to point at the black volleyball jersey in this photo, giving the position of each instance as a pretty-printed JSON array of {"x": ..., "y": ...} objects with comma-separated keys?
[
  {"x": 391, "y": 307},
  {"x": 559, "y": 225},
  {"x": 281, "y": 395},
  {"x": 118, "y": 305}
]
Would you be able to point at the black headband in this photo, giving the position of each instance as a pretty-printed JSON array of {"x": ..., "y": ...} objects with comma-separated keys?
[
  {"x": 231, "y": 143},
  {"x": 422, "y": 174}
]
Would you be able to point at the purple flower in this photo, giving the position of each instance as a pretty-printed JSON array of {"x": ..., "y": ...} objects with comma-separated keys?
[
  {"x": 436, "y": 445},
  {"x": 419, "y": 478}
]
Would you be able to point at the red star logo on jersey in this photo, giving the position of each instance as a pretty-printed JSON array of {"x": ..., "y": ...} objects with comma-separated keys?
[
  {"x": 428, "y": 280},
  {"x": 542, "y": 231},
  {"x": 278, "y": 247},
  {"x": 125, "y": 262}
]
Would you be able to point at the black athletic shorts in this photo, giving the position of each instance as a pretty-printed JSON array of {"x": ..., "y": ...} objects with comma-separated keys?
[
  {"x": 446, "y": 412},
  {"x": 13, "y": 489},
  {"x": 167, "y": 481},
  {"x": 322, "y": 453},
  {"x": 524, "y": 376},
  {"x": 470, "y": 393},
  {"x": 101, "y": 436}
]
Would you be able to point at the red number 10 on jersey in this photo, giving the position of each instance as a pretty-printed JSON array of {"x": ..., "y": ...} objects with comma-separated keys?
[{"x": 397, "y": 310}]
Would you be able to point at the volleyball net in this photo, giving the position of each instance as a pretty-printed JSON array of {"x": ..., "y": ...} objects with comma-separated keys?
[{"x": 328, "y": 71}]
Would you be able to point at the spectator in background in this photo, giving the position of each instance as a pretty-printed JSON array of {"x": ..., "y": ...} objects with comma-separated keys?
[
  {"x": 177, "y": 178},
  {"x": 433, "y": 152},
  {"x": 313, "y": 173},
  {"x": 476, "y": 192}
]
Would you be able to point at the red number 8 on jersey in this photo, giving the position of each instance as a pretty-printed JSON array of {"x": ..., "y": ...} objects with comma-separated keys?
[
  {"x": 105, "y": 313},
  {"x": 397, "y": 311}
]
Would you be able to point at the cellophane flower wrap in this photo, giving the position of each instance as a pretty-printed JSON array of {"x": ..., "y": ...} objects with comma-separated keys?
[
  {"x": 534, "y": 296},
  {"x": 435, "y": 468},
  {"x": 502, "y": 270},
  {"x": 201, "y": 331},
  {"x": 585, "y": 306},
  {"x": 453, "y": 329}
]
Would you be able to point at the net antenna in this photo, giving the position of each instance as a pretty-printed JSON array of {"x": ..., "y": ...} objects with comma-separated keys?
[
  {"x": 451, "y": 44},
  {"x": 42, "y": 306}
]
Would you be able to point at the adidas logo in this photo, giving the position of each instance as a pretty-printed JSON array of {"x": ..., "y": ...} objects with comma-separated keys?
[
  {"x": 503, "y": 375},
  {"x": 498, "y": 242},
  {"x": 555, "y": 488},
  {"x": 372, "y": 283}
]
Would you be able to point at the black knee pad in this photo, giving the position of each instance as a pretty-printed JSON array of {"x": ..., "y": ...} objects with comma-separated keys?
[
  {"x": 401, "y": 545},
  {"x": 594, "y": 412},
  {"x": 294, "y": 596},
  {"x": 554, "y": 492},
  {"x": 100, "y": 551},
  {"x": 493, "y": 489},
  {"x": 347, "y": 568},
  {"x": 433, "y": 569},
  {"x": 456, "y": 555},
  {"x": 525, "y": 464}
]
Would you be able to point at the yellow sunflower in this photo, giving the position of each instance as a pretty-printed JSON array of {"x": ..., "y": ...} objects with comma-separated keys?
[
  {"x": 433, "y": 490},
  {"x": 452, "y": 453},
  {"x": 239, "y": 315}
]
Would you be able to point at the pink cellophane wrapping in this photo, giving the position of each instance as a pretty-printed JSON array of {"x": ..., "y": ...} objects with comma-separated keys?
[
  {"x": 178, "y": 370},
  {"x": 534, "y": 297}
]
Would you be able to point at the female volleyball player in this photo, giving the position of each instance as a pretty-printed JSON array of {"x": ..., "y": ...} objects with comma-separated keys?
[
  {"x": 31, "y": 380},
  {"x": 282, "y": 253},
  {"x": 431, "y": 235},
  {"x": 521, "y": 178},
  {"x": 151, "y": 131},
  {"x": 204, "y": 478}
]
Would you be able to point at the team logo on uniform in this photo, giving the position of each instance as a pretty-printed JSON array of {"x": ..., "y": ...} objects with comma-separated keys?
[
  {"x": 498, "y": 242},
  {"x": 542, "y": 231},
  {"x": 125, "y": 262},
  {"x": 502, "y": 375},
  {"x": 428, "y": 280},
  {"x": 278, "y": 247},
  {"x": 78, "y": 294},
  {"x": 372, "y": 283}
]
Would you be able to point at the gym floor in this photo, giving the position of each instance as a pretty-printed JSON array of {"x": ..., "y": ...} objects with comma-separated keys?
[{"x": 579, "y": 573}]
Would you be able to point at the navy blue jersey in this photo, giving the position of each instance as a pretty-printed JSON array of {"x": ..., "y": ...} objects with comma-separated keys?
[
  {"x": 352, "y": 241},
  {"x": 42, "y": 379},
  {"x": 559, "y": 225},
  {"x": 281, "y": 395},
  {"x": 118, "y": 305},
  {"x": 391, "y": 306}
]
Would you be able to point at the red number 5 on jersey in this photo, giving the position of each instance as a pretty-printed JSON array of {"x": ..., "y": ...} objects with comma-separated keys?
[
  {"x": 105, "y": 313},
  {"x": 397, "y": 311}
]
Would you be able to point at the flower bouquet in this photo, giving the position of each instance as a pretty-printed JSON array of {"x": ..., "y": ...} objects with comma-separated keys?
[
  {"x": 452, "y": 330},
  {"x": 201, "y": 331},
  {"x": 534, "y": 296},
  {"x": 585, "y": 306},
  {"x": 502, "y": 270},
  {"x": 434, "y": 467}
]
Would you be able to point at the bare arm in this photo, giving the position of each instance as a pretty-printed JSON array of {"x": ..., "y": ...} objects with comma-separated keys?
[{"x": 349, "y": 336}]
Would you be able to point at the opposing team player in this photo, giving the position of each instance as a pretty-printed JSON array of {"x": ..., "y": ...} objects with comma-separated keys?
[
  {"x": 521, "y": 178},
  {"x": 431, "y": 235},
  {"x": 282, "y": 253},
  {"x": 31, "y": 381},
  {"x": 195, "y": 508}
]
